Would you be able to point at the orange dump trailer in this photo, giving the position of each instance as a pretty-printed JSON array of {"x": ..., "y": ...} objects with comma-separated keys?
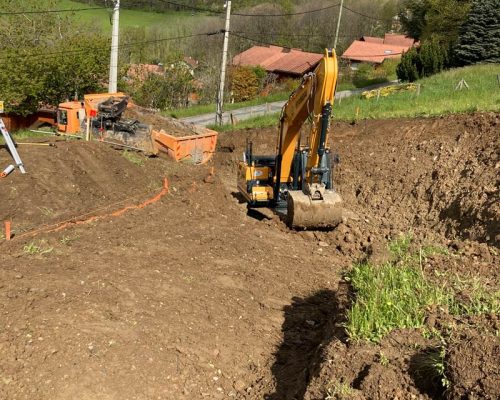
[{"x": 196, "y": 149}]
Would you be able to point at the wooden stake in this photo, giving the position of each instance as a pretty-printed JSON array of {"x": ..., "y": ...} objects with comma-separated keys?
[{"x": 7, "y": 230}]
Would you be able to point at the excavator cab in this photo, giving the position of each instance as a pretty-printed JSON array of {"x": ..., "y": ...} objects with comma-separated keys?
[
  {"x": 297, "y": 181},
  {"x": 69, "y": 118}
]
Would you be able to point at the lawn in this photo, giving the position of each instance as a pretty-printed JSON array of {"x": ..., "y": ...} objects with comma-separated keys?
[
  {"x": 437, "y": 97},
  {"x": 169, "y": 22}
]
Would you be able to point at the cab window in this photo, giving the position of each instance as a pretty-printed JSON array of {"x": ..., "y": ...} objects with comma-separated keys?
[{"x": 62, "y": 117}]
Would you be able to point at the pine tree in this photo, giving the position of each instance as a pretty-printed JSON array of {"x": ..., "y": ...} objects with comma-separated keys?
[{"x": 479, "y": 39}]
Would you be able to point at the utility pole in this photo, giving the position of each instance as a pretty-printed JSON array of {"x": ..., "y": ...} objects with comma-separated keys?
[
  {"x": 220, "y": 96},
  {"x": 338, "y": 25},
  {"x": 113, "y": 65}
]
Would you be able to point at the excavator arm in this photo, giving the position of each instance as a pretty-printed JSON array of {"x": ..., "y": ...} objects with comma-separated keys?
[{"x": 313, "y": 98}]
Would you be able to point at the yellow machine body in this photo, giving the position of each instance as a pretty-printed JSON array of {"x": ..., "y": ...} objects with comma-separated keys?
[{"x": 297, "y": 181}]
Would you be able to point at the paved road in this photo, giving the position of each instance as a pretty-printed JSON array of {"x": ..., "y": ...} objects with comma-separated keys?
[{"x": 268, "y": 108}]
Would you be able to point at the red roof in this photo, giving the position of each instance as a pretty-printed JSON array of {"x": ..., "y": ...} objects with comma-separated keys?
[
  {"x": 399, "y": 40},
  {"x": 141, "y": 71},
  {"x": 278, "y": 59},
  {"x": 376, "y": 50},
  {"x": 372, "y": 39}
]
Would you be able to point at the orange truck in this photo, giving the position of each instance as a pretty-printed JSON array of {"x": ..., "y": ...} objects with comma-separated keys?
[{"x": 103, "y": 113}]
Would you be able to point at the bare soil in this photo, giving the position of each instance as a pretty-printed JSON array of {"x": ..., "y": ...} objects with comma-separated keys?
[
  {"x": 191, "y": 298},
  {"x": 159, "y": 122}
]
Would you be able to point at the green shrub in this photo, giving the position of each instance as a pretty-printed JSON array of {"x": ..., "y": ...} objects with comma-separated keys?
[{"x": 429, "y": 59}]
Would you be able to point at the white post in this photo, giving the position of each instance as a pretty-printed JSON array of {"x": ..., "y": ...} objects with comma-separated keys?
[
  {"x": 113, "y": 65},
  {"x": 338, "y": 25},
  {"x": 220, "y": 96}
]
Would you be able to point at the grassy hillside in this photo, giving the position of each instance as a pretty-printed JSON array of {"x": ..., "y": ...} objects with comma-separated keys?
[
  {"x": 437, "y": 97},
  {"x": 134, "y": 18}
]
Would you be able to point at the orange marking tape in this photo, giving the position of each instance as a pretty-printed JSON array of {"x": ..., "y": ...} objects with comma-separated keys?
[{"x": 64, "y": 224}]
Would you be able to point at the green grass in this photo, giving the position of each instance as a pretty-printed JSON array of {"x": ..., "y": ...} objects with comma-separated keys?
[
  {"x": 397, "y": 295},
  {"x": 437, "y": 97},
  {"x": 133, "y": 157},
  {"x": 262, "y": 121},
  {"x": 210, "y": 108},
  {"x": 132, "y": 18},
  {"x": 40, "y": 248},
  {"x": 24, "y": 134}
]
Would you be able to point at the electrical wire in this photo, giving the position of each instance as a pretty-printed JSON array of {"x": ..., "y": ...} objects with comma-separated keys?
[
  {"x": 366, "y": 16},
  {"x": 121, "y": 46},
  {"x": 249, "y": 15},
  {"x": 50, "y": 11},
  {"x": 287, "y": 14},
  {"x": 292, "y": 35}
]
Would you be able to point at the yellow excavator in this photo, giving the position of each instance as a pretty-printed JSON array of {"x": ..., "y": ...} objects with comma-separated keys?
[{"x": 297, "y": 181}]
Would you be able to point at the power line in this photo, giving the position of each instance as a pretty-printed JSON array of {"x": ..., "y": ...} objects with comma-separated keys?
[
  {"x": 292, "y": 35},
  {"x": 50, "y": 11},
  {"x": 250, "y": 15},
  {"x": 121, "y": 46},
  {"x": 366, "y": 16},
  {"x": 287, "y": 14}
]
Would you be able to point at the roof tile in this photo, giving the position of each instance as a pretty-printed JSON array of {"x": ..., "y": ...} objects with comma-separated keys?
[{"x": 278, "y": 59}]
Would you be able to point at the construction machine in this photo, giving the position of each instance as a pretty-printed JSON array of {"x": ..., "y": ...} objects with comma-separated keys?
[
  {"x": 104, "y": 114},
  {"x": 297, "y": 181}
]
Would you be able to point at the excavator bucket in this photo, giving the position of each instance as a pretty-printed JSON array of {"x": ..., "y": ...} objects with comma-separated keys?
[{"x": 306, "y": 213}]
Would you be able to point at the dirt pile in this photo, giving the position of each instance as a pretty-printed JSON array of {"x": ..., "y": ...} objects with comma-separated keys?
[
  {"x": 434, "y": 176},
  {"x": 192, "y": 298},
  {"x": 70, "y": 179},
  {"x": 158, "y": 121},
  {"x": 474, "y": 367}
]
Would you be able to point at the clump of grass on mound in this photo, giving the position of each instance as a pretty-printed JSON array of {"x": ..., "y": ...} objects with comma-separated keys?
[
  {"x": 392, "y": 295},
  {"x": 397, "y": 294}
]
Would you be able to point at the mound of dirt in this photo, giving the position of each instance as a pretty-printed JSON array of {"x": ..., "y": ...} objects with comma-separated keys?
[
  {"x": 192, "y": 297},
  {"x": 71, "y": 179},
  {"x": 473, "y": 367},
  {"x": 435, "y": 176},
  {"x": 158, "y": 121}
]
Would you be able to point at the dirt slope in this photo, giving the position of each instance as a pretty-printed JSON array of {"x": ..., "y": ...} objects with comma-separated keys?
[{"x": 190, "y": 298}]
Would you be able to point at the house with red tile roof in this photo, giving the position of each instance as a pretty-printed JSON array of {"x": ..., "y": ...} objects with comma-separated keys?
[
  {"x": 281, "y": 61},
  {"x": 376, "y": 50}
]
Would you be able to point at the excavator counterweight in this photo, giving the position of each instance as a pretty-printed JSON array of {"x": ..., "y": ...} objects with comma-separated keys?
[{"x": 297, "y": 181}]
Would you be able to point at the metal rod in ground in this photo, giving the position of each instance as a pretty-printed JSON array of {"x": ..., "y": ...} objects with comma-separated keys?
[
  {"x": 57, "y": 134},
  {"x": 121, "y": 145}
]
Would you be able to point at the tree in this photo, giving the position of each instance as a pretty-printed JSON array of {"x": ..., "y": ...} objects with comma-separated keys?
[
  {"x": 479, "y": 39},
  {"x": 45, "y": 59},
  {"x": 434, "y": 19},
  {"x": 410, "y": 66}
]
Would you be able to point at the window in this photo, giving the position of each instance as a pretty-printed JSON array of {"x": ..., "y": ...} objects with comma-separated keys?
[{"x": 62, "y": 117}]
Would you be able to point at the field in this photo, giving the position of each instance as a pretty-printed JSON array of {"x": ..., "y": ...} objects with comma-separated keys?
[
  {"x": 191, "y": 297},
  {"x": 167, "y": 22}
]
